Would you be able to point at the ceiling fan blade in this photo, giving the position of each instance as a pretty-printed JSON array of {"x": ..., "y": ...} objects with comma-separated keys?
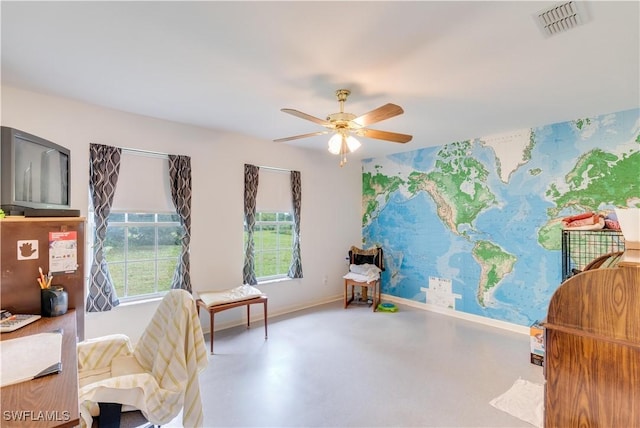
[
  {"x": 306, "y": 116},
  {"x": 381, "y": 113},
  {"x": 385, "y": 135},
  {"x": 312, "y": 134}
]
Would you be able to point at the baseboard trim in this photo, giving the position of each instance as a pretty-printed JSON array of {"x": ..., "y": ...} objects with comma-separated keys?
[
  {"x": 399, "y": 300},
  {"x": 282, "y": 311},
  {"x": 458, "y": 314}
]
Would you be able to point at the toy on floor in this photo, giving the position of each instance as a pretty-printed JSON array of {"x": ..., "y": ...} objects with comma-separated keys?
[{"x": 387, "y": 307}]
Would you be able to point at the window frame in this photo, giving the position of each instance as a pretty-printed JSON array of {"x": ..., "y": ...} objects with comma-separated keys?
[
  {"x": 259, "y": 251},
  {"x": 126, "y": 224}
]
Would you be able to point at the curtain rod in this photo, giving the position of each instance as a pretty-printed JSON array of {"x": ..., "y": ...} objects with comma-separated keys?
[
  {"x": 145, "y": 153},
  {"x": 273, "y": 168}
]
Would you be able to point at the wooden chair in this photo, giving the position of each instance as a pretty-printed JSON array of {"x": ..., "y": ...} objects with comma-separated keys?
[
  {"x": 358, "y": 256},
  {"x": 604, "y": 261}
]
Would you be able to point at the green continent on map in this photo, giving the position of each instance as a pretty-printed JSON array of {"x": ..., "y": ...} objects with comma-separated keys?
[
  {"x": 457, "y": 184},
  {"x": 550, "y": 236},
  {"x": 495, "y": 264},
  {"x": 374, "y": 187},
  {"x": 598, "y": 177}
]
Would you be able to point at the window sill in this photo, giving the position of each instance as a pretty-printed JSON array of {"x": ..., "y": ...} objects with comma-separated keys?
[
  {"x": 132, "y": 301},
  {"x": 274, "y": 280}
]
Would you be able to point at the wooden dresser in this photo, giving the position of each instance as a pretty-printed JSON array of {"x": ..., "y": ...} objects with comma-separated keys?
[{"x": 592, "y": 358}]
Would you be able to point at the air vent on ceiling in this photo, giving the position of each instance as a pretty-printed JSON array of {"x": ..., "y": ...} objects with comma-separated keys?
[{"x": 560, "y": 18}]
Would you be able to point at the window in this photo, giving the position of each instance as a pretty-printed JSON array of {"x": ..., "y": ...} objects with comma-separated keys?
[
  {"x": 273, "y": 244},
  {"x": 142, "y": 251},
  {"x": 142, "y": 244},
  {"x": 142, "y": 224},
  {"x": 272, "y": 224}
]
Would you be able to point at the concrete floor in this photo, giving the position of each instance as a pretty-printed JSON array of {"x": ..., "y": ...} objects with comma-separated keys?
[{"x": 334, "y": 367}]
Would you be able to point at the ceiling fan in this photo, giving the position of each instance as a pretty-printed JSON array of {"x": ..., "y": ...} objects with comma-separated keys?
[{"x": 344, "y": 125}]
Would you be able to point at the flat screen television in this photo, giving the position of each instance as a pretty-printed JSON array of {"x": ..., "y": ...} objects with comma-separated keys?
[{"x": 35, "y": 175}]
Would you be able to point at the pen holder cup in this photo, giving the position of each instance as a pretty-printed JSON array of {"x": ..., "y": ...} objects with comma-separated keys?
[{"x": 54, "y": 301}]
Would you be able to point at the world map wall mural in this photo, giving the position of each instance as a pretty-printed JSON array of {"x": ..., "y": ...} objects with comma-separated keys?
[{"x": 475, "y": 226}]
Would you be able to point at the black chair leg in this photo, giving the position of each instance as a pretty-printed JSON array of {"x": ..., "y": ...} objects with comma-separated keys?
[{"x": 109, "y": 415}]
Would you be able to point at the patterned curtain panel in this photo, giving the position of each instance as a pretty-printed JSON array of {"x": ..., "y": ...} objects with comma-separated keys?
[
  {"x": 250, "y": 193},
  {"x": 295, "y": 270},
  {"x": 180, "y": 179},
  {"x": 104, "y": 166}
]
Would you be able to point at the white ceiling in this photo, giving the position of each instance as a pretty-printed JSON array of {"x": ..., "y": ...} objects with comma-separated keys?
[{"x": 459, "y": 69}]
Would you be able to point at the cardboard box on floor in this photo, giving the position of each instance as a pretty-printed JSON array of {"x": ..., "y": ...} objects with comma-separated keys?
[{"x": 536, "y": 340}]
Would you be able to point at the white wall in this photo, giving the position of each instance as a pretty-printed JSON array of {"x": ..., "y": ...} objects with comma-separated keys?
[{"x": 331, "y": 199}]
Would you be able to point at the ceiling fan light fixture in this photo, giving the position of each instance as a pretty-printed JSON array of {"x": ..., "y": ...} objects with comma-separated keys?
[
  {"x": 341, "y": 144},
  {"x": 353, "y": 144},
  {"x": 335, "y": 143}
]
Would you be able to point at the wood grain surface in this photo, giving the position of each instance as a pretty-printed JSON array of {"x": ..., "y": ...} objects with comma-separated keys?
[
  {"x": 50, "y": 401},
  {"x": 592, "y": 353}
]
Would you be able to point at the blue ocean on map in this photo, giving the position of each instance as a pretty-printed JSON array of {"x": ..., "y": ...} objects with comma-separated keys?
[{"x": 419, "y": 245}]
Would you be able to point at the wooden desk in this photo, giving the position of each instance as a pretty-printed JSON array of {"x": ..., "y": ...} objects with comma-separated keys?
[{"x": 51, "y": 401}]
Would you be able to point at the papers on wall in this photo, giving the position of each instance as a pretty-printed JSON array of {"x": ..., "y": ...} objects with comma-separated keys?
[
  {"x": 63, "y": 251},
  {"x": 30, "y": 357}
]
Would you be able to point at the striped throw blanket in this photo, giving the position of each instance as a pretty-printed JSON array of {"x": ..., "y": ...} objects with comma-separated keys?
[{"x": 159, "y": 377}]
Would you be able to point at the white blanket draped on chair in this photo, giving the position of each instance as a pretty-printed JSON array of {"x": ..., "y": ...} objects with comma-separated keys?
[
  {"x": 159, "y": 377},
  {"x": 363, "y": 273}
]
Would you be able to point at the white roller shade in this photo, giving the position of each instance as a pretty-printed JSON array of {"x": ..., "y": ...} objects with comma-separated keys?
[
  {"x": 143, "y": 184},
  {"x": 274, "y": 191}
]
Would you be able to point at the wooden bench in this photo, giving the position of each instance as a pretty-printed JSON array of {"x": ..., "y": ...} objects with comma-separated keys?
[{"x": 218, "y": 301}]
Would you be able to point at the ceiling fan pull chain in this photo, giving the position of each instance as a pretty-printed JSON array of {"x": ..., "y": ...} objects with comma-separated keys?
[{"x": 343, "y": 151}]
